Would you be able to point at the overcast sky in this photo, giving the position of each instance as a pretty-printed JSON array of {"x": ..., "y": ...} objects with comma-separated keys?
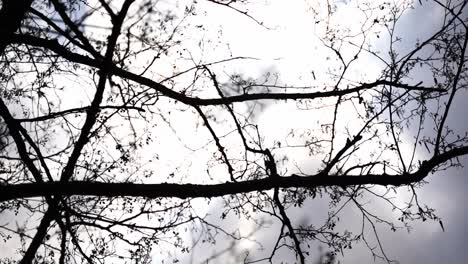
[{"x": 291, "y": 49}]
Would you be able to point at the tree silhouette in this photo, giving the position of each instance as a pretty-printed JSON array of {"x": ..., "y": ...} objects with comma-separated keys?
[{"x": 124, "y": 132}]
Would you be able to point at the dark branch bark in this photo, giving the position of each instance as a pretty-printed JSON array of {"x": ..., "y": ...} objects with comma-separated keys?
[
  {"x": 54, "y": 46},
  {"x": 38, "y": 237},
  {"x": 11, "y": 15},
  {"x": 168, "y": 190},
  {"x": 76, "y": 111},
  {"x": 15, "y": 129},
  {"x": 287, "y": 223},
  {"x": 452, "y": 95},
  {"x": 93, "y": 110}
]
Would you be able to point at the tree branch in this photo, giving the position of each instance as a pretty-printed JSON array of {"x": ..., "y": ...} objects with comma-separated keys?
[
  {"x": 54, "y": 46},
  {"x": 75, "y": 111},
  {"x": 183, "y": 191},
  {"x": 11, "y": 15}
]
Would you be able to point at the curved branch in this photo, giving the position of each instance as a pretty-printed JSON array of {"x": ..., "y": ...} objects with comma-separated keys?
[{"x": 54, "y": 46}]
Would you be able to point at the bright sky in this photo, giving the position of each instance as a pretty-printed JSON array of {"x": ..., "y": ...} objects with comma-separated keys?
[{"x": 291, "y": 48}]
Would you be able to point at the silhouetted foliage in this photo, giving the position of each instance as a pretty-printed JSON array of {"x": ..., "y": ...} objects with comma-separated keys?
[{"x": 130, "y": 130}]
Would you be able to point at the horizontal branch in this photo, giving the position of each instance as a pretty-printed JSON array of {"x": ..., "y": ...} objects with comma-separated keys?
[
  {"x": 75, "y": 111},
  {"x": 55, "y": 46},
  {"x": 171, "y": 190}
]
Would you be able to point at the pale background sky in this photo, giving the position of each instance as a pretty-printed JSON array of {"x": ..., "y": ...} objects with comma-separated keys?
[
  {"x": 291, "y": 48},
  {"x": 293, "y": 51}
]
